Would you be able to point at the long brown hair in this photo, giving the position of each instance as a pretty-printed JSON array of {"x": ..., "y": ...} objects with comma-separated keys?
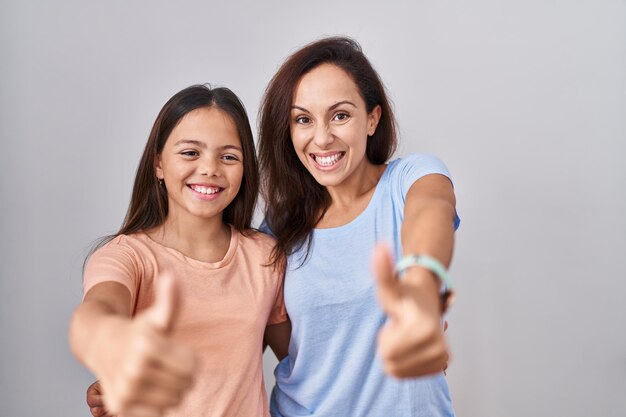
[
  {"x": 295, "y": 201},
  {"x": 148, "y": 205}
]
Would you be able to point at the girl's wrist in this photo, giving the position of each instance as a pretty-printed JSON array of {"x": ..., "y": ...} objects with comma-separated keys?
[{"x": 108, "y": 329}]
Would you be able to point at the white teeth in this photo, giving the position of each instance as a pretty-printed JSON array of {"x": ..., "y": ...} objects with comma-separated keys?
[
  {"x": 205, "y": 190},
  {"x": 327, "y": 161}
]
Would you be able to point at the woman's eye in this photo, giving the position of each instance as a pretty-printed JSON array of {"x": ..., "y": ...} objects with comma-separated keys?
[
  {"x": 341, "y": 116},
  {"x": 189, "y": 153},
  {"x": 302, "y": 120}
]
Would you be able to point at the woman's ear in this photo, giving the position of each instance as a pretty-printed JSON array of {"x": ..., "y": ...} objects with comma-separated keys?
[
  {"x": 158, "y": 168},
  {"x": 372, "y": 120}
]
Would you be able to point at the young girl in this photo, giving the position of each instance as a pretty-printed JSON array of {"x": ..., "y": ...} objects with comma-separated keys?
[
  {"x": 183, "y": 291},
  {"x": 327, "y": 133}
]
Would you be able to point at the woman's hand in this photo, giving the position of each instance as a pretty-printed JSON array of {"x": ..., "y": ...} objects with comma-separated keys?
[
  {"x": 142, "y": 371},
  {"x": 411, "y": 343}
]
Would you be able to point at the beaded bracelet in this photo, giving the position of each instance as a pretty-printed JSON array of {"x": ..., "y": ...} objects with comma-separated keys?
[{"x": 434, "y": 266}]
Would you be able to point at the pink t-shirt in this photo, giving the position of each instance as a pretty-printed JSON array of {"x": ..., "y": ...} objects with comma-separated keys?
[{"x": 225, "y": 307}]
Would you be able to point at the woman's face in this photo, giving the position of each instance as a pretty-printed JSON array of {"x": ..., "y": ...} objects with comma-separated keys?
[
  {"x": 330, "y": 125},
  {"x": 201, "y": 164}
]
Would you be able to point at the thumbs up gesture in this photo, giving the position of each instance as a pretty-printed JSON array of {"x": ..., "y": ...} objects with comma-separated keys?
[
  {"x": 411, "y": 343},
  {"x": 142, "y": 371}
]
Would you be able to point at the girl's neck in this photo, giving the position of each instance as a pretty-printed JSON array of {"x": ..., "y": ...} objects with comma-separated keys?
[{"x": 206, "y": 240}]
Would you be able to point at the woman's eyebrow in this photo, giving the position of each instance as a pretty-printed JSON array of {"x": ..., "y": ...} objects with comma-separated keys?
[
  {"x": 334, "y": 106},
  {"x": 331, "y": 108},
  {"x": 294, "y": 107}
]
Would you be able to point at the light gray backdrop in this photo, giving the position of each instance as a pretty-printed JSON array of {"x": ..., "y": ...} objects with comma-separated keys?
[{"x": 524, "y": 100}]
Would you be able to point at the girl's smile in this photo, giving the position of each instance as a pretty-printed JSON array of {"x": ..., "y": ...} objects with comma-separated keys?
[{"x": 206, "y": 192}]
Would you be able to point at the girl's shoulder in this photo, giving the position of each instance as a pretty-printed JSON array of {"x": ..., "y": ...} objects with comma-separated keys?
[
  {"x": 257, "y": 238},
  {"x": 127, "y": 240},
  {"x": 255, "y": 248},
  {"x": 135, "y": 245}
]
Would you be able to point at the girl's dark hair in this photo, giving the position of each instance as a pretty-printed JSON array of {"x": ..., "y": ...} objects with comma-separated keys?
[
  {"x": 295, "y": 201},
  {"x": 148, "y": 205}
]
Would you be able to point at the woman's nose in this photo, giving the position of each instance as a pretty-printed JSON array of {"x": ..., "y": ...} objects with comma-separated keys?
[{"x": 323, "y": 136}]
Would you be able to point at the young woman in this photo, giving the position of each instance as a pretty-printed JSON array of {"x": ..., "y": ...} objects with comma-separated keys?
[
  {"x": 327, "y": 133},
  {"x": 183, "y": 291}
]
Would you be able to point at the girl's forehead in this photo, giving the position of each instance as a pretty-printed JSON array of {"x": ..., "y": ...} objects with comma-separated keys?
[{"x": 209, "y": 126}]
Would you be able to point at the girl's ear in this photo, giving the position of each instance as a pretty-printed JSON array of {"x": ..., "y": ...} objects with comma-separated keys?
[
  {"x": 372, "y": 120},
  {"x": 158, "y": 168}
]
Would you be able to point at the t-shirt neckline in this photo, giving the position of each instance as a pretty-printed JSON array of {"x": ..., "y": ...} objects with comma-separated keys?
[{"x": 232, "y": 247}]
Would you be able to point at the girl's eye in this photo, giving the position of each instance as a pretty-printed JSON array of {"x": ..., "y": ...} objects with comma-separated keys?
[
  {"x": 341, "y": 116},
  {"x": 230, "y": 157},
  {"x": 302, "y": 120},
  {"x": 189, "y": 153}
]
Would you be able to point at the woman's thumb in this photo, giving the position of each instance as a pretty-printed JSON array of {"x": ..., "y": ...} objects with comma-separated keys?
[{"x": 387, "y": 285}]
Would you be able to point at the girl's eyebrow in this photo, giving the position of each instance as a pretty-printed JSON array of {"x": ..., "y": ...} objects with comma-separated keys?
[
  {"x": 237, "y": 148},
  {"x": 202, "y": 145},
  {"x": 331, "y": 108},
  {"x": 190, "y": 142}
]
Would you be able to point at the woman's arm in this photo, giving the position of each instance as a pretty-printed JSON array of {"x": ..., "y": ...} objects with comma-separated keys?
[
  {"x": 412, "y": 342},
  {"x": 140, "y": 369}
]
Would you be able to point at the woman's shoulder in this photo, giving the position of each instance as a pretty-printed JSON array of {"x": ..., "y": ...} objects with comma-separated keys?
[
  {"x": 414, "y": 166},
  {"x": 424, "y": 160}
]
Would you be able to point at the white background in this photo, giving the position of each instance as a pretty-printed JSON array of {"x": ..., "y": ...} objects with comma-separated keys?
[{"x": 525, "y": 101}]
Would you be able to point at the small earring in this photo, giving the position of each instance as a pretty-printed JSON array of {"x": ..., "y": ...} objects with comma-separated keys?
[{"x": 160, "y": 181}]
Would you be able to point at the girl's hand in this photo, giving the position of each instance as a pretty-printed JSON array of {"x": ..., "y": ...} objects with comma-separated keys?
[
  {"x": 142, "y": 371},
  {"x": 95, "y": 401},
  {"x": 411, "y": 343}
]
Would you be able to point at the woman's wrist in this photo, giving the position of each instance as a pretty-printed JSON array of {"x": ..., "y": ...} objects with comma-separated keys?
[{"x": 429, "y": 275}]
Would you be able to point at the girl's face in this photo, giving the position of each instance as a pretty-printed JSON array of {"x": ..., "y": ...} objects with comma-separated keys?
[
  {"x": 330, "y": 125},
  {"x": 201, "y": 164}
]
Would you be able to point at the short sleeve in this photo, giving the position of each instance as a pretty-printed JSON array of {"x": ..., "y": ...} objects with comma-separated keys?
[
  {"x": 405, "y": 171},
  {"x": 113, "y": 262},
  {"x": 278, "y": 314}
]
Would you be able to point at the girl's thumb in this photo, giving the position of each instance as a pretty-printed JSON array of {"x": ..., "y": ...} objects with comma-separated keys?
[{"x": 162, "y": 313}]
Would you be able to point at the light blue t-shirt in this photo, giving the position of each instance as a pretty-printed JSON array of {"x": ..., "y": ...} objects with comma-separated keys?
[{"x": 332, "y": 368}]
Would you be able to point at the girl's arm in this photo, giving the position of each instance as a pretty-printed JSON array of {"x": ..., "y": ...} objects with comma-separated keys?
[
  {"x": 277, "y": 337},
  {"x": 140, "y": 369},
  {"x": 412, "y": 342}
]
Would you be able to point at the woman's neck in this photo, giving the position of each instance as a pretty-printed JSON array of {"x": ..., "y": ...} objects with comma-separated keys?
[
  {"x": 205, "y": 240},
  {"x": 359, "y": 185},
  {"x": 351, "y": 198}
]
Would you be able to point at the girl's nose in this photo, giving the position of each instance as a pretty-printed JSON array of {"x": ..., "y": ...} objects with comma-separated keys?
[{"x": 210, "y": 167}]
